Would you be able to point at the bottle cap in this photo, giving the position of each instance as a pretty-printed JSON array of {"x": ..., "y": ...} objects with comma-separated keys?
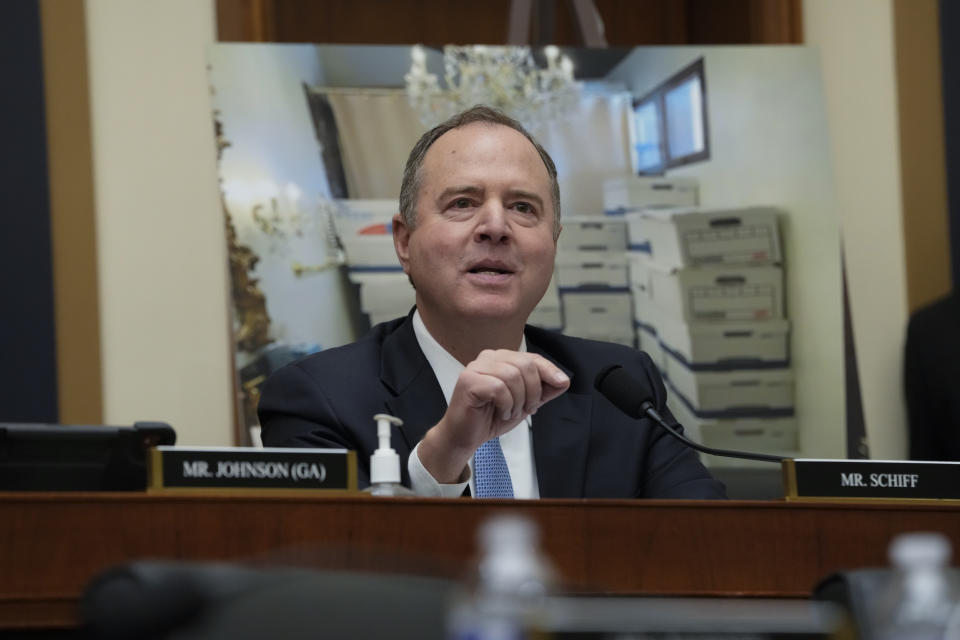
[
  {"x": 923, "y": 548},
  {"x": 511, "y": 563}
]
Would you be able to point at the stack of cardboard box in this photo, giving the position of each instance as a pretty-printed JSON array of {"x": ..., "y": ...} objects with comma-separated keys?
[
  {"x": 592, "y": 275},
  {"x": 636, "y": 193},
  {"x": 625, "y": 198},
  {"x": 709, "y": 306}
]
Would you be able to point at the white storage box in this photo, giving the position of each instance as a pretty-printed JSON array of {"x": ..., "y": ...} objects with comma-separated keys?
[
  {"x": 363, "y": 275},
  {"x": 598, "y": 312},
  {"x": 647, "y": 341},
  {"x": 637, "y": 240},
  {"x": 722, "y": 462},
  {"x": 629, "y": 193},
  {"x": 355, "y": 217},
  {"x": 690, "y": 237},
  {"x": 646, "y": 314},
  {"x": 732, "y": 293},
  {"x": 760, "y": 435},
  {"x": 551, "y": 298},
  {"x": 372, "y": 253},
  {"x": 705, "y": 345},
  {"x": 644, "y": 311},
  {"x": 585, "y": 270},
  {"x": 365, "y": 227},
  {"x": 547, "y": 317},
  {"x": 593, "y": 233},
  {"x": 736, "y": 393},
  {"x": 638, "y": 274},
  {"x": 387, "y": 293},
  {"x": 617, "y": 337}
]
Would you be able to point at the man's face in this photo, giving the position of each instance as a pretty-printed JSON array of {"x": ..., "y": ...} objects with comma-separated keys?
[{"x": 483, "y": 246}]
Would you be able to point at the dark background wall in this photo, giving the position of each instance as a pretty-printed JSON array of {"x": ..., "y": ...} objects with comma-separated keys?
[{"x": 28, "y": 371}]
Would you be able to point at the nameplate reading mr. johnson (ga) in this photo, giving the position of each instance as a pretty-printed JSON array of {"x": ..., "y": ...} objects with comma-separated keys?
[
  {"x": 252, "y": 468},
  {"x": 886, "y": 479}
]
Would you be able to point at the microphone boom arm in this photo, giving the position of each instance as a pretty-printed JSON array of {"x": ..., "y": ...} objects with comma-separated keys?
[{"x": 648, "y": 408}]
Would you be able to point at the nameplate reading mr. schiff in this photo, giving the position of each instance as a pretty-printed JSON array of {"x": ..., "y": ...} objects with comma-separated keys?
[
  {"x": 252, "y": 468},
  {"x": 885, "y": 479}
]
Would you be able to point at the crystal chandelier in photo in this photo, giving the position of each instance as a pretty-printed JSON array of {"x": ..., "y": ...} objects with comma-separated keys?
[{"x": 503, "y": 77}]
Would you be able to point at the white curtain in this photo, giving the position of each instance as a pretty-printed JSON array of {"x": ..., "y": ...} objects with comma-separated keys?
[{"x": 378, "y": 128}]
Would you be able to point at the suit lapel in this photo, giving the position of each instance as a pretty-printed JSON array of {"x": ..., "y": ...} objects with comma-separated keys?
[
  {"x": 561, "y": 435},
  {"x": 417, "y": 397}
]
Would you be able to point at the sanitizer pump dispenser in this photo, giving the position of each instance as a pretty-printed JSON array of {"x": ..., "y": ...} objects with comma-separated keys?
[{"x": 385, "y": 463}]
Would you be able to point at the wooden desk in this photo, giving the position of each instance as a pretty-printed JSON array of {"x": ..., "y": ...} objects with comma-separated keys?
[{"x": 52, "y": 544}]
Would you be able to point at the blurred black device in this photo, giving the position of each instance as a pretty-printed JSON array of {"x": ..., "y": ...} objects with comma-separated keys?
[{"x": 56, "y": 457}]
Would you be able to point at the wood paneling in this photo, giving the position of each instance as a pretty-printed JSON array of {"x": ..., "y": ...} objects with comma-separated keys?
[
  {"x": 52, "y": 544},
  {"x": 744, "y": 21},
  {"x": 923, "y": 175},
  {"x": 245, "y": 20},
  {"x": 72, "y": 212},
  {"x": 778, "y": 22},
  {"x": 626, "y": 23}
]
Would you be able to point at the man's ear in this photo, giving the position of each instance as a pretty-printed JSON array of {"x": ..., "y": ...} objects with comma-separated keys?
[{"x": 401, "y": 241}]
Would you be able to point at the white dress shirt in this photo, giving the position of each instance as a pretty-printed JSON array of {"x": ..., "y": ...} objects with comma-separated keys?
[{"x": 517, "y": 444}]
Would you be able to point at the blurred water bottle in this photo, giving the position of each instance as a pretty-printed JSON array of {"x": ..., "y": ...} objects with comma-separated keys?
[
  {"x": 505, "y": 598},
  {"x": 922, "y": 593}
]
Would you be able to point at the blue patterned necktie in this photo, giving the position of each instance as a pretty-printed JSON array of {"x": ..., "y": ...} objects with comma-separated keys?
[{"x": 492, "y": 477}]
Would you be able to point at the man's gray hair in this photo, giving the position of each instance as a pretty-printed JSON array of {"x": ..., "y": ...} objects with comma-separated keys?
[{"x": 413, "y": 171}]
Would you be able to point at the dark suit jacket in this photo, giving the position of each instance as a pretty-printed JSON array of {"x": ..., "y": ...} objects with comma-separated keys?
[
  {"x": 583, "y": 446},
  {"x": 932, "y": 381}
]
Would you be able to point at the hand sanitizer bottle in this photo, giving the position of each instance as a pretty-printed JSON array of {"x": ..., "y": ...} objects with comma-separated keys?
[
  {"x": 508, "y": 595},
  {"x": 385, "y": 463}
]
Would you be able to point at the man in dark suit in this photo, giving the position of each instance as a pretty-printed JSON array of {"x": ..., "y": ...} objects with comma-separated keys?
[
  {"x": 486, "y": 401},
  {"x": 932, "y": 380}
]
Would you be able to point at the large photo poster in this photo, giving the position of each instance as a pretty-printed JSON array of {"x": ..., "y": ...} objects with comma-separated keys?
[{"x": 699, "y": 213}]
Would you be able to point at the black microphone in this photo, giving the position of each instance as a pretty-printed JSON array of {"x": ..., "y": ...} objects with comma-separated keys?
[{"x": 635, "y": 398}]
